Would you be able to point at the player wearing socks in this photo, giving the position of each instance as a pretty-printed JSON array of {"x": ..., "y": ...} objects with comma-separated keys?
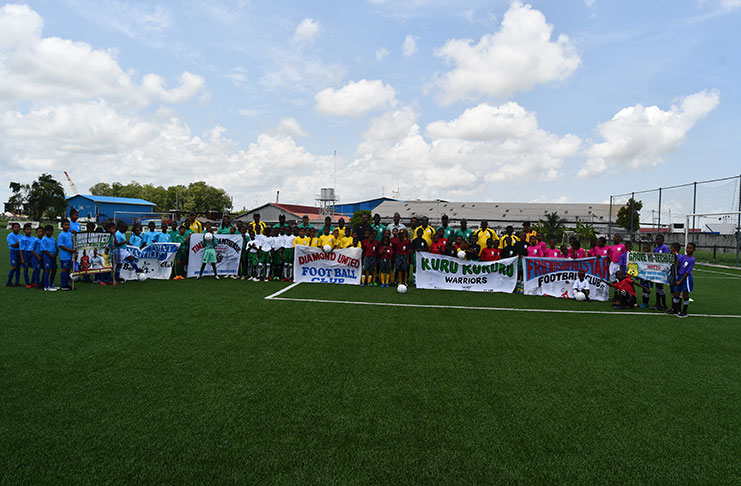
[
  {"x": 370, "y": 252},
  {"x": 66, "y": 249},
  {"x": 26, "y": 246},
  {"x": 616, "y": 252},
  {"x": 684, "y": 284},
  {"x": 49, "y": 252},
  {"x": 660, "y": 292},
  {"x": 14, "y": 239}
]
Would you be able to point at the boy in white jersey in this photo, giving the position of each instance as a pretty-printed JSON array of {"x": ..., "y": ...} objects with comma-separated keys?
[
  {"x": 287, "y": 244},
  {"x": 265, "y": 254}
]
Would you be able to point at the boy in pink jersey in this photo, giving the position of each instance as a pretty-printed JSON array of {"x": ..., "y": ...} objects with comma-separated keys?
[
  {"x": 616, "y": 251},
  {"x": 552, "y": 251},
  {"x": 534, "y": 250},
  {"x": 601, "y": 250},
  {"x": 576, "y": 251}
]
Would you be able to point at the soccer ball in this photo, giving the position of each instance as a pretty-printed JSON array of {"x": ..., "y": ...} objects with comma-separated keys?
[
  {"x": 208, "y": 237},
  {"x": 461, "y": 255},
  {"x": 141, "y": 277},
  {"x": 580, "y": 296},
  {"x": 327, "y": 249},
  {"x": 402, "y": 289}
]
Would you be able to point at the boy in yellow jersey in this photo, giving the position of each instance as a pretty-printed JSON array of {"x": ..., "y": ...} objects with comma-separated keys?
[
  {"x": 347, "y": 240},
  {"x": 313, "y": 240},
  {"x": 483, "y": 234},
  {"x": 302, "y": 239},
  {"x": 529, "y": 232},
  {"x": 337, "y": 238},
  {"x": 327, "y": 238}
]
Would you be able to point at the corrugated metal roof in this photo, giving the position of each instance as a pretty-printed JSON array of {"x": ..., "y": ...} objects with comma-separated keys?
[
  {"x": 114, "y": 200},
  {"x": 491, "y": 211}
]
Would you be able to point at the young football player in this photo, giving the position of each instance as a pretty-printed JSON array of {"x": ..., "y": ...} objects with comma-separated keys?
[
  {"x": 534, "y": 250},
  {"x": 136, "y": 236},
  {"x": 386, "y": 253},
  {"x": 402, "y": 246},
  {"x": 616, "y": 250},
  {"x": 151, "y": 235},
  {"x": 209, "y": 254},
  {"x": 370, "y": 253},
  {"x": 552, "y": 251},
  {"x": 14, "y": 244},
  {"x": 490, "y": 253},
  {"x": 66, "y": 250},
  {"x": 49, "y": 252},
  {"x": 660, "y": 292},
  {"x": 684, "y": 283},
  {"x": 581, "y": 285},
  {"x": 26, "y": 246}
]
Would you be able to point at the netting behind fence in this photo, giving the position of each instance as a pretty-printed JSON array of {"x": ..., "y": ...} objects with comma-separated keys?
[{"x": 664, "y": 210}]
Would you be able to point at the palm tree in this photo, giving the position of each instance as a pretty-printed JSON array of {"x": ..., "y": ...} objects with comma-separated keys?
[{"x": 551, "y": 227}]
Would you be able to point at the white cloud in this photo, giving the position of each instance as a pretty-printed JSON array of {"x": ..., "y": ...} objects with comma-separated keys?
[
  {"x": 306, "y": 32},
  {"x": 590, "y": 3},
  {"x": 356, "y": 98},
  {"x": 638, "y": 136},
  {"x": 143, "y": 22},
  {"x": 409, "y": 46},
  {"x": 516, "y": 58},
  {"x": 50, "y": 69},
  {"x": 381, "y": 53},
  {"x": 458, "y": 157},
  {"x": 291, "y": 127}
]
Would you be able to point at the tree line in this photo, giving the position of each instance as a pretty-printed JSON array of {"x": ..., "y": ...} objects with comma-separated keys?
[{"x": 45, "y": 198}]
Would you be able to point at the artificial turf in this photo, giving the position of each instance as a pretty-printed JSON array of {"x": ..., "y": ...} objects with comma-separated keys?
[{"x": 207, "y": 382}]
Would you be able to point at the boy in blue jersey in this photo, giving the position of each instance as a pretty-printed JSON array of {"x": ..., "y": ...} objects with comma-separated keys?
[
  {"x": 27, "y": 245},
  {"x": 684, "y": 283},
  {"x": 66, "y": 249},
  {"x": 38, "y": 260},
  {"x": 122, "y": 254},
  {"x": 150, "y": 236},
  {"x": 136, "y": 236},
  {"x": 14, "y": 239},
  {"x": 74, "y": 226},
  {"x": 49, "y": 255},
  {"x": 163, "y": 236},
  {"x": 660, "y": 293}
]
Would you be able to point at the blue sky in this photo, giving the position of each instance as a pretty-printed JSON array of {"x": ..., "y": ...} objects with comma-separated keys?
[{"x": 498, "y": 100}]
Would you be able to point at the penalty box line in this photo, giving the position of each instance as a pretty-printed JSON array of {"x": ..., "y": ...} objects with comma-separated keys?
[{"x": 463, "y": 307}]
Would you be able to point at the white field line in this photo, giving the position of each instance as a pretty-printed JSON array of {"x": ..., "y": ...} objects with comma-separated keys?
[
  {"x": 732, "y": 275},
  {"x": 510, "y": 309},
  {"x": 276, "y": 294}
]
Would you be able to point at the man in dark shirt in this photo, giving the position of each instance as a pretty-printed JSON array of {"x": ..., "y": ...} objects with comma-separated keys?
[
  {"x": 363, "y": 226},
  {"x": 521, "y": 246},
  {"x": 508, "y": 248},
  {"x": 473, "y": 250}
]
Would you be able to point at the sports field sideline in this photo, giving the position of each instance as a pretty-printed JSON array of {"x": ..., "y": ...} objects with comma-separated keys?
[{"x": 209, "y": 381}]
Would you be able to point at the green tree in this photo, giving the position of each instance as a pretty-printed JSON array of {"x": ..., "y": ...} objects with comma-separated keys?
[
  {"x": 358, "y": 215},
  {"x": 19, "y": 198},
  {"x": 101, "y": 189},
  {"x": 197, "y": 196},
  {"x": 551, "y": 227},
  {"x": 585, "y": 232},
  {"x": 42, "y": 198},
  {"x": 629, "y": 217}
]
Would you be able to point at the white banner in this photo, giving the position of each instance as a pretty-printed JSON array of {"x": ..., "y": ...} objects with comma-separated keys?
[
  {"x": 155, "y": 261},
  {"x": 228, "y": 251},
  {"x": 312, "y": 265},
  {"x": 443, "y": 272},
  {"x": 555, "y": 276},
  {"x": 654, "y": 267}
]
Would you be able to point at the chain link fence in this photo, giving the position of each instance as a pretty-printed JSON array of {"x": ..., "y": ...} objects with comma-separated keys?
[{"x": 665, "y": 209}]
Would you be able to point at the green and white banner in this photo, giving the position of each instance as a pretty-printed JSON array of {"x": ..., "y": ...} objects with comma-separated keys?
[
  {"x": 654, "y": 267},
  {"x": 448, "y": 273}
]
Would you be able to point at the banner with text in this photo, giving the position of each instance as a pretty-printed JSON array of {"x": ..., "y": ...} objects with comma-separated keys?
[
  {"x": 555, "y": 276},
  {"x": 92, "y": 254},
  {"x": 155, "y": 261},
  {"x": 654, "y": 267},
  {"x": 312, "y": 265},
  {"x": 448, "y": 273},
  {"x": 228, "y": 251}
]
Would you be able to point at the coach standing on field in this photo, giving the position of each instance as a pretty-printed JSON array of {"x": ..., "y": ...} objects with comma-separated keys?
[{"x": 361, "y": 227}]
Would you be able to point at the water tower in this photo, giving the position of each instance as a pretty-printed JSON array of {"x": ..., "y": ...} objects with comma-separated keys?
[{"x": 327, "y": 199}]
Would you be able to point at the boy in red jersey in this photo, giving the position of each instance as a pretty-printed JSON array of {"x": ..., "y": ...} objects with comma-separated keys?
[
  {"x": 490, "y": 254},
  {"x": 370, "y": 253},
  {"x": 402, "y": 246}
]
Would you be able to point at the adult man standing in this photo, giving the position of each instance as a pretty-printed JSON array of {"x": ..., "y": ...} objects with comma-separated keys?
[
  {"x": 483, "y": 234},
  {"x": 305, "y": 223},
  {"x": 448, "y": 231},
  {"x": 396, "y": 225},
  {"x": 193, "y": 224},
  {"x": 427, "y": 230},
  {"x": 464, "y": 231},
  {"x": 281, "y": 222},
  {"x": 256, "y": 225},
  {"x": 362, "y": 227},
  {"x": 341, "y": 227},
  {"x": 378, "y": 226},
  {"x": 528, "y": 231}
]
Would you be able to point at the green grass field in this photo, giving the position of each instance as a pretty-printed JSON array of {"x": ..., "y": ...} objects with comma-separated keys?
[{"x": 207, "y": 382}]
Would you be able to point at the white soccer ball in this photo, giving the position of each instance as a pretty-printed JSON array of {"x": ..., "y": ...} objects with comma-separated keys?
[
  {"x": 141, "y": 277},
  {"x": 402, "y": 289},
  {"x": 461, "y": 255},
  {"x": 580, "y": 296},
  {"x": 327, "y": 249},
  {"x": 208, "y": 237}
]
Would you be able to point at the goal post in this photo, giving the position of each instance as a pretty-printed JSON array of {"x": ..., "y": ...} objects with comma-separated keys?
[{"x": 734, "y": 217}]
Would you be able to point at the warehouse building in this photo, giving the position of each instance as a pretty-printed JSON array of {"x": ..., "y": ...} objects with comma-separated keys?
[{"x": 103, "y": 208}]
